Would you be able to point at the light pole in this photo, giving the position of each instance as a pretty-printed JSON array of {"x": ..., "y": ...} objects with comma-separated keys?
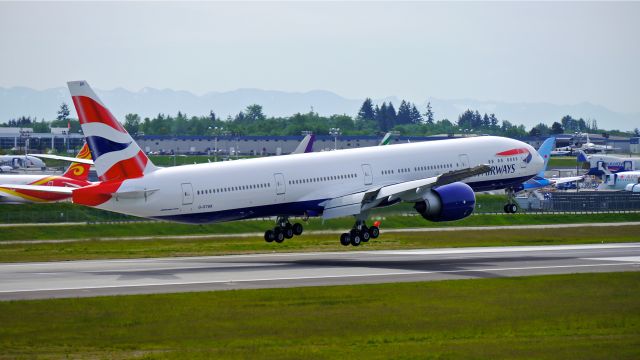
[
  {"x": 335, "y": 132},
  {"x": 216, "y": 132}
]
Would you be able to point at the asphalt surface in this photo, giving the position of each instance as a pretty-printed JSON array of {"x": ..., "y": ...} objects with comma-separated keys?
[{"x": 163, "y": 275}]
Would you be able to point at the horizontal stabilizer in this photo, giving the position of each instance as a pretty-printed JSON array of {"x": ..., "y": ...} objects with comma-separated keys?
[
  {"x": 64, "y": 158},
  {"x": 42, "y": 188}
]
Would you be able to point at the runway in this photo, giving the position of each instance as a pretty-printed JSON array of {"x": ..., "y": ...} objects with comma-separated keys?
[{"x": 164, "y": 275}]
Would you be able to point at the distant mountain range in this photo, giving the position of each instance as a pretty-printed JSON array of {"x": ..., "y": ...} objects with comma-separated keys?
[{"x": 18, "y": 101}]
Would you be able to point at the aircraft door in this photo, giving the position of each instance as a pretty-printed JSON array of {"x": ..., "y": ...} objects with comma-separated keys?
[
  {"x": 464, "y": 160},
  {"x": 280, "y": 186},
  {"x": 628, "y": 165},
  {"x": 368, "y": 174},
  {"x": 187, "y": 194},
  {"x": 611, "y": 179}
]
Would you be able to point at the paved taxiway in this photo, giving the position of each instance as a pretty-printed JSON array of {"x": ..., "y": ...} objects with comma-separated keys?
[{"x": 161, "y": 275}]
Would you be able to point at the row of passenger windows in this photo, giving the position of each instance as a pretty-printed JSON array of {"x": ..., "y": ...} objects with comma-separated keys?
[
  {"x": 233, "y": 188},
  {"x": 418, "y": 168},
  {"x": 322, "y": 179}
]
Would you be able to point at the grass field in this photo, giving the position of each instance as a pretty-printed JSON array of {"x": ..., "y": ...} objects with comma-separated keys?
[
  {"x": 316, "y": 242},
  {"x": 389, "y": 221},
  {"x": 583, "y": 316}
]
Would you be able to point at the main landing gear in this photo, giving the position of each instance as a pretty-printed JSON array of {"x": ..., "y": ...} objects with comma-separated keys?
[
  {"x": 510, "y": 207},
  {"x": 359, "y": 234},
  {"x": 283, "y": 230}
]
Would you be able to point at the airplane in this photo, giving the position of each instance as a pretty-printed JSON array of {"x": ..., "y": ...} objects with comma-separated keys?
[
  {"x": 621, "y": 181},
  {"x": 439, "y": 177},
  {"x": 75, "y": 176},
  {"x": 608, "y": 164},
  {"x": 539, "y": 180},
  {"x": 587, "y": 147},
  {"x": 9, "y": 163}
]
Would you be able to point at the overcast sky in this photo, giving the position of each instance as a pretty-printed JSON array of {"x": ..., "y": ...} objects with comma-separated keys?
[{"x": 561, "y": 53}]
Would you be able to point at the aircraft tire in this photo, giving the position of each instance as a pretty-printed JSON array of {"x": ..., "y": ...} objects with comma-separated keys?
[
  {"x": 513, "y": 208},
  {"x": 344, "y": 239},
  {"x": 288, "y": 232},
  {"x": 278, "y": 235},
  {"x": 297, "y": 229},
  {"x": 364, "y": 235},
  {"x": 269, "y": 236},
  {"x": 374, "y": 232},
  {"x": 356, "y": 239}
]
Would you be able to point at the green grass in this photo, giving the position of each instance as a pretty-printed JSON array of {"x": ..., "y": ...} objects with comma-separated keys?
[
  {"x": 95, "y": 231},
  {"x": 310, "y": 242},
  {"x": 562, "y": 162},
  {"x": 581, "y": 316}
]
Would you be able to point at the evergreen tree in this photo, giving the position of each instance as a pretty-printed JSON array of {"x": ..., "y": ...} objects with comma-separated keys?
[
  {"x": 63, "y": 113},
  {"x": 556, "y": 128},
  {"x": 254, "y": 113},
  {"x": 391, "y": 117},
  {"x": 429, "y": 114},
  {"x": 381, "y": 114},
  {"x": 366, "y": 110},
  {"x": 132, "y": 123},
  {"x": 404, "y": 114},
  {"x": 415, "y": 116},
  {"x": 494, "y": 121}
]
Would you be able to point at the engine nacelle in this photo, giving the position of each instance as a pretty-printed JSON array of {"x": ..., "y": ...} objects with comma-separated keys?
[{"x": 447, "y": 203}]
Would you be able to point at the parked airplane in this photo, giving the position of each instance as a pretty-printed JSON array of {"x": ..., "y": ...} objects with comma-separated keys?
[
  {"x": 620, "y": 181},
  {"x": 439, "y": 177},
  {"x": 13, "y": 162},
  {"x": 608, "y": 164},
  {"x": 75, "y": 176},
  {"x": 540, "y": 180},
  {"x": 306, "y": 145}
]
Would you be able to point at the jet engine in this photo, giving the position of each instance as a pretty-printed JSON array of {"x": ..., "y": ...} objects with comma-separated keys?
[{"x": 447, "y": 203}]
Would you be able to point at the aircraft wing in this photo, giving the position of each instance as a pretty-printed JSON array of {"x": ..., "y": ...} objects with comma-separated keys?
[
  {"x": 562, "y": 180},
  {"x": 357, "y": 203},
  {"x": 63, "y": 158},
  {"x": 43, "y": 188}
]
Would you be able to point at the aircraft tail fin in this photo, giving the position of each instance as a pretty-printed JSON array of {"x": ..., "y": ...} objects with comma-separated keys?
[
  {"x": 79, "y": 171},
  {"x": 386, "y": 139},
  {"x": 116, "y": 155},
  {"x": 545, "y": 151},
  {"x": 306, "y": 145}
]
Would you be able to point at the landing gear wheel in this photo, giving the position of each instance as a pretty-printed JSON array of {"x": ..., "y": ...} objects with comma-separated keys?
[
  {"x": 278, "y": 235},
  {"x": 297, "y": 229},
  {"x": 344, "y": 239},
  {"x": 356, "y": 239},
  {"x": 269, "y": 236},
  {"x": 506, "y": 208},
  {"x": 374, "y": 232},
  {"x": 513, "y": 208},
  {"x": 364, "y": 234},
  {"x": 288, "y": 232}
]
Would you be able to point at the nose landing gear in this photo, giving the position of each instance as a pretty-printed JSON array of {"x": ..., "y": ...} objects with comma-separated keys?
[
  {"x": 283, "y": 230},
  {"x": 510, "y": 207}
]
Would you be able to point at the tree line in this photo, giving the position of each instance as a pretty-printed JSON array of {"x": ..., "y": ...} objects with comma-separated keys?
[{"x": 370, "y": 120}]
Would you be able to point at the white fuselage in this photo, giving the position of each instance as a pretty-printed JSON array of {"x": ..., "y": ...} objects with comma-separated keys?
[
  {"x": 619, "y": 181},
  {"x": 299, "y": 184}
]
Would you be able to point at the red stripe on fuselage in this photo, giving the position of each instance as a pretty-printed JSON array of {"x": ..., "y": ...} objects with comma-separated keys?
[{"x": 90, "y": 111}]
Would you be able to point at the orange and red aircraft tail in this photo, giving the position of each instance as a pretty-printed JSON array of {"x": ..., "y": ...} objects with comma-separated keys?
[{"x": 79, "y": 171}]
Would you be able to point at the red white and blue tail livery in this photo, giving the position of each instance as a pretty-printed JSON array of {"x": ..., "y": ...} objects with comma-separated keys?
[{"x": 116, "y": 156}]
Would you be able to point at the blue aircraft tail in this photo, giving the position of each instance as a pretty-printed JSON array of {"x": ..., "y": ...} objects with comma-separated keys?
[{"x": 545, "y": 151}]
